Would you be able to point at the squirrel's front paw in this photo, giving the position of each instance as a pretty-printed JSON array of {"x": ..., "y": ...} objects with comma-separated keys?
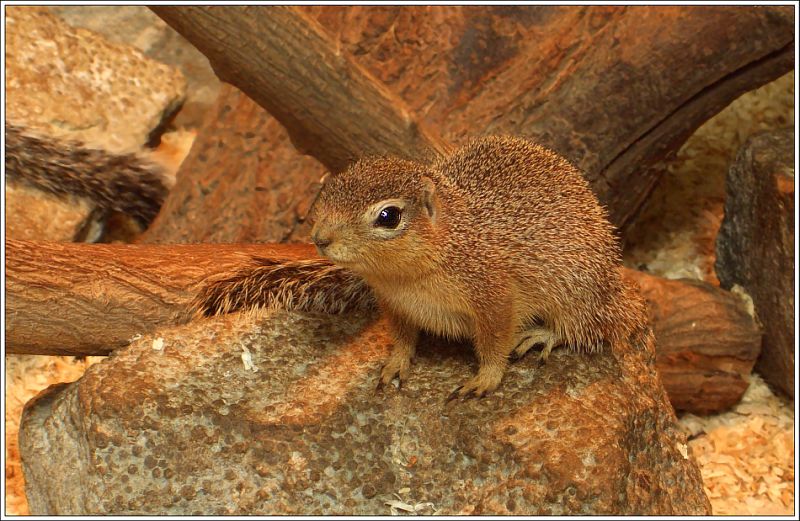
[
  {"x": 483, "y": 383},
  {"x": 396, "y": 366}
]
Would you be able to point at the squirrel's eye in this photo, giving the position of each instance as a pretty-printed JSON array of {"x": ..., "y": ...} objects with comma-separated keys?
[{"x": 389, "y": 217}]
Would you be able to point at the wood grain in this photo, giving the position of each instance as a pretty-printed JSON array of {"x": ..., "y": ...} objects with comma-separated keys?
[
  {"x": 89, "y": 299},
  {"x": 331, "y": 107}
]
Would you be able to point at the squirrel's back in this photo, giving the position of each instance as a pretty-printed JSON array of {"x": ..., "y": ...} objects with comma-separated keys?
[
  {"x": 530, "y": 213},
  {"x": 524, "y": 192}
]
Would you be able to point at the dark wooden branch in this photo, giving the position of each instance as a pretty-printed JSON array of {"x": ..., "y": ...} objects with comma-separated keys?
[
  {"x": 617, "y": 89},
  {"x": 331, "y": 107},
  {"x": 85, "y": 299},
  {"x": 614, "y": 89}
]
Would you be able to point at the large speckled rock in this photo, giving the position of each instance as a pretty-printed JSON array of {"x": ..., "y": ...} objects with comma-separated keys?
[
  {"x": 138, "y": 26},
  {"x": 74, "y": 84},
  {"x": 755, "y": 245},
  {"x": 278, "y": 414}
]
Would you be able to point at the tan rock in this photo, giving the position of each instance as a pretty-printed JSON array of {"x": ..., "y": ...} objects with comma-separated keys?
[
  {"x": 84, "y": 97},
  {"x": 36, "y": 215},
  {"x": 72, "y": 83},
  {"x": 278, "y": 414}
]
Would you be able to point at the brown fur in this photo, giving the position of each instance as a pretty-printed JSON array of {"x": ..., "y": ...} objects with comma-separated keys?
[
  {"x": 308, "y": 285},
  {"x": 126, "y": 183},
  {"x": 502, "y": 242}
]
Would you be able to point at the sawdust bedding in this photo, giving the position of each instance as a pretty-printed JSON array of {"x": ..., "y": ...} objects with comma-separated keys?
[{"x": 746, "y": 455}]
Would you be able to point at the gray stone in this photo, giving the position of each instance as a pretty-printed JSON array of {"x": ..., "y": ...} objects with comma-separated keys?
[
  {"x": 278, "y": 414},
  {"x": 755, "y": 246}
]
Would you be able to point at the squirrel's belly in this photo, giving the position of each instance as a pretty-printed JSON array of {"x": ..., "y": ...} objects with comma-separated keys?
[{"x": 432, "y": 313}]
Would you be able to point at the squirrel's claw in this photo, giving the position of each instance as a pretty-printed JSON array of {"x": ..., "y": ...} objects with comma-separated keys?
[
  {"x": 385, "y": 379},
  {"x": 468, "y": 395},
  {"x": 478, "y": 387},
  {"x": 455, "y": 394},
  {"x": 394, "y": 368}
]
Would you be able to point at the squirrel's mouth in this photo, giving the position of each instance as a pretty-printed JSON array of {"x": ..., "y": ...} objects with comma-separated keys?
[{"x": 335, "y": 257}]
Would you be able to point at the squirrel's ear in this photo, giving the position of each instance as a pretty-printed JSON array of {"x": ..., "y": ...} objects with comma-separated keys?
[{"x": 429, "y": 196}]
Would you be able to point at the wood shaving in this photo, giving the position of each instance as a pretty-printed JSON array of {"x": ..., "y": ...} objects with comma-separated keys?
[
  {"x": 746, "y": 455},
  {"x": 398, "y": 507},
  {"x": 247, "y": 360}
]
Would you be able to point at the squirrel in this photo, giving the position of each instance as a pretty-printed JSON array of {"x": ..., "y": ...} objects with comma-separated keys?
[
  {"x": 501, "y": 242},
  {"x": 128, "y": 183}
]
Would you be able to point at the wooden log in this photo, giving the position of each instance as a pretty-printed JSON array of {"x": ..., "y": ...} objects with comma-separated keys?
[
  {"x": 620, "y": 88},
  {"x": 283, "y": 59},
  {"x": 83, "y": 299},
  {"x": 706, "y": 343},
  {"x": 755, "y": 246},
  {"x": 89, "y": 299},
  {"x": 534, "y": 71}
]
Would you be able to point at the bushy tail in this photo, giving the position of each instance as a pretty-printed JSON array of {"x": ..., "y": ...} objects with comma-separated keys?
[
  {"x": 127, "y": 183},
  {"x": 305, "y": 285}
]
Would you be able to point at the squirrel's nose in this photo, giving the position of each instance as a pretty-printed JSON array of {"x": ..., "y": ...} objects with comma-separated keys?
[{"x": 320, "y": 242}]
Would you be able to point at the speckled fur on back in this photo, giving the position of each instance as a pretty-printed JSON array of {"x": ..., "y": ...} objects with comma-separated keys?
[
  {"x": 530, "y": 213},
  {"x": 125, "y": 183}
]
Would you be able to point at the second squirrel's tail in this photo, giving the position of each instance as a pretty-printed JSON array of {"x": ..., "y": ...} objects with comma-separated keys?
[
  {"x": 305, "y": 285},
  {"x": 128, "y": 183}
]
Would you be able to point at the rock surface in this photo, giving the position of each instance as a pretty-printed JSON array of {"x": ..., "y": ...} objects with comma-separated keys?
[
  {"x": 138, "y": 26},
  {"x": 36, "y": 215},
  {"x": 755, "y": 245},
  {"x": 74, "y": 84},
  {"x": 278, "y": 414}
]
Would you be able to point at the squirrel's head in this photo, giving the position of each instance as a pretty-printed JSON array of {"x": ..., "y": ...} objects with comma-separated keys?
[{"x": 377, "y": 217}]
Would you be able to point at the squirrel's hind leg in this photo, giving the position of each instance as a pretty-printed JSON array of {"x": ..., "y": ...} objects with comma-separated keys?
[{"x": 535, "y": 335}]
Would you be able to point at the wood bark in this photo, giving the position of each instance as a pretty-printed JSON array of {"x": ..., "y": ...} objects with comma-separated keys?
[
  {"x": 242, "y": 181},
  {"x": 283, "y": 59},
  {"x": 614, "y": 89},
  {"x": 755, "y": 246},
  {"x": 83, "y": 299},
  {"x": 89, "y": 299},
  {"x": 706, "y": 343}
]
